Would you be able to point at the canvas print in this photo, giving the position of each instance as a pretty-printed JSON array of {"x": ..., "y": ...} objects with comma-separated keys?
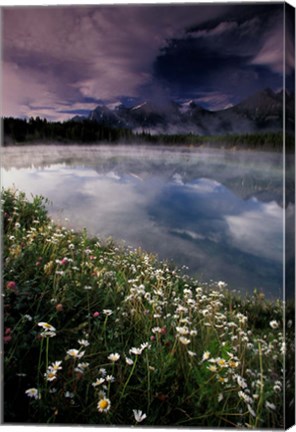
[{"x": 148, "y": 207}]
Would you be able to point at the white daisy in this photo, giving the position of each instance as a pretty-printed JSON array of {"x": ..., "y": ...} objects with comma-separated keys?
[{"x": 139, "y": 416}]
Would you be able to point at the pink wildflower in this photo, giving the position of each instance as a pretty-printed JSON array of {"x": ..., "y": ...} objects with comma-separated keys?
[
  {"x": 7, "y": 338},
  {"x": 96, "y": 314},
  {"x": 11, "y": 285}
]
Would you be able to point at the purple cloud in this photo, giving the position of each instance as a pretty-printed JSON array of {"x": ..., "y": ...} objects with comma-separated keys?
[{"x": 60, "y": 59}]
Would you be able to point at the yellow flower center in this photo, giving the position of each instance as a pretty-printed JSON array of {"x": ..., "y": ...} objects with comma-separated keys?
[{"x": 103, "y": 404}]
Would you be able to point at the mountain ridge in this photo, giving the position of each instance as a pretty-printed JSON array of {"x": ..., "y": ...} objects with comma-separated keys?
[{"x": 260, "y": 112}]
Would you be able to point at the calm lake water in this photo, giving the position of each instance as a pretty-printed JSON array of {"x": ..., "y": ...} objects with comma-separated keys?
[{"x": 218, "y": 212}]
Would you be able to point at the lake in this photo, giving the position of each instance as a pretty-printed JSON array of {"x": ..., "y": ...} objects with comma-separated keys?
[{"x": 217, "y": 212}]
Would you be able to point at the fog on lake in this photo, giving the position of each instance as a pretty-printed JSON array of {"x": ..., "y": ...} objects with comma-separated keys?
[{"x": 218, "y": 212}]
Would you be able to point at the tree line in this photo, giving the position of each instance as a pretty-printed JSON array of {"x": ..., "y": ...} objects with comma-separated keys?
[
  {"x": 37, "y": 130},
  {"x": 22, "y": 131}
]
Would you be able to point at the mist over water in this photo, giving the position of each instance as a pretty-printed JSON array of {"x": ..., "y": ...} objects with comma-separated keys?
[{"x": 218, "y": 212}]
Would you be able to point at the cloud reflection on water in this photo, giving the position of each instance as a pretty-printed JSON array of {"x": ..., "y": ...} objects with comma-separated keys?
[{"x": 170, "y": 206}]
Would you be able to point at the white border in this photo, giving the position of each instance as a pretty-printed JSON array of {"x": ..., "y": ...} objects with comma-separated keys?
[{"x": 9, "y": 3}]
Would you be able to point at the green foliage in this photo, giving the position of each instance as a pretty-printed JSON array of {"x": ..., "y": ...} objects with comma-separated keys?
[{"x": 182, "y": 353}]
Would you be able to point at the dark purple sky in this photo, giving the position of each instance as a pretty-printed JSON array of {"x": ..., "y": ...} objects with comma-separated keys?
[{"x": 59, "y": 61}]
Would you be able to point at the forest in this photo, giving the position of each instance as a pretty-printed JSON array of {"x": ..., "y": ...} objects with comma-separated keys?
[{"x": 41, "y": 131}]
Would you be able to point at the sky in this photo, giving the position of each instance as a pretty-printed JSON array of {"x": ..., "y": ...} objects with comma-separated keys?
[{"x": 61, "y": 61}]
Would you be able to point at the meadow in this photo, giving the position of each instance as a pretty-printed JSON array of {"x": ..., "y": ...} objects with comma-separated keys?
[{"x": 97, "y": 334}]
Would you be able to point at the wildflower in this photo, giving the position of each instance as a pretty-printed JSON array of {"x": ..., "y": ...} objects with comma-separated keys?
[
  {"x": 59, "y": 307},
  {"x": 56, "y": 366},
  {"x": 83, "y": 342},
  {"x": 107, "y": 312},
  {"x": 114, "y": 357},
  {"x": 98, "y": 382},
  {"x": 191, "y": 353},
  {"x": 75, "y": 353},
  {"x": 221, "y": 284},
  {"x": 11, "y": 285},
  {"x": 233, "y": 364},
  {"x": 283, "y": 348},
  {"x": 242, "y": 318},
  {"x": 103, "y": 372},
  {"x": 212, "y": 368},
  {"x": 220, "y": 397},
  {"x": 83, "y": 365},
  {"x": 144, "y": 345},
  {"x": 270, "y": 406},
  {"x": 87, "y": 287},
  {"x": 69, "y": 395},
  {"x": 48, "y": 334},
  {"x": 139, "y": 416},
  {"x": 46, "y": 326},
  {"x": 64, "y": 261},
  {"x": 28, "y": 317},
  {"x": 221, "y": 362},
  {"x": 205, "y": 356},
  {"x": 277, "y": 386},
  {"x": 251, "y": 411},
  {"x": 96, "y": 314},
  {"x": 7, "y": 337},
  {"x": 241, "y": 382},
  {"x": 129, "y": 361},
  {"x": 52, "y": 390},
  {"x": 50, "y": 375},
  {"x": 245, "y": 397},
  {"x": 33, "y": 393},
  {"x": 222, "y": 379},
  {"x": 274, "y": 324},
  {"x": 110, "y": 378},
  {"x": 182, "y": 330},
  {"x": 104, "y": 405},
  {"x": 184, "y": 340},
  {"x": 136, "y": 351}
]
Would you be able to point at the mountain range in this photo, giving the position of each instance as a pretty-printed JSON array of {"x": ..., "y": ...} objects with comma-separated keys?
[{"x": 261, "y": 112}]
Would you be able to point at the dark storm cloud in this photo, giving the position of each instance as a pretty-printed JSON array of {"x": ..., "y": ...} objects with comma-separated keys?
[
  {"x": 232, "y": 56},
  {"x": 67, "y": 59}
]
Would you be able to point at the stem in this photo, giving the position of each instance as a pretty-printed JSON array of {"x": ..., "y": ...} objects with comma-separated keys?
[
  {"x": 39, "y": 362},
  {"x": 104, "y": 330},
  {"x": 109, "y": 383},
  {"x": 130, "y": 375},
  {"x": 89, "y": 325},
  {"x": 259, "y": 408},
  {"x": 148, "y": 383},
  {"x": 47, "y": 349}
]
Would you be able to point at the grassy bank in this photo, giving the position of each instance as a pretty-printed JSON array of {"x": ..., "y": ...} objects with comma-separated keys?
[{"x": 94, "y": 333}]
